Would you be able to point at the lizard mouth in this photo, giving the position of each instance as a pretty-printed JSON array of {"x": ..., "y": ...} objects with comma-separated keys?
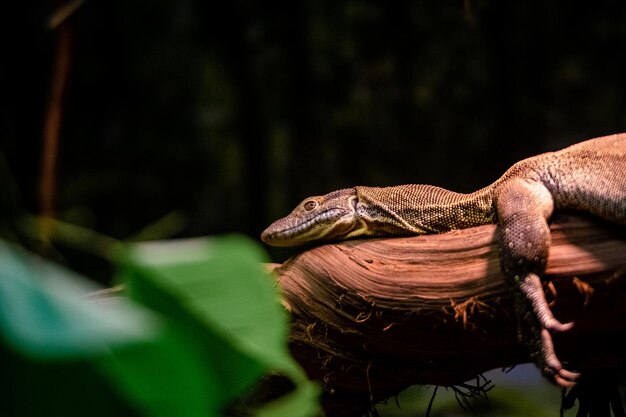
[{"x": 301, "y": 228}]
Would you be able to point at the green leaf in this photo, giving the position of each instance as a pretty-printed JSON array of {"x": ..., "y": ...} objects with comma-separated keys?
[
  {"x": 168, "y": 377},
  {"x": 303, "y": 402},
  {"x": 216, "y": 290},
  {"x": 221, "y": 327},
  {"x": 62, "y": 354},
  {"x": 44, "y": 313}
]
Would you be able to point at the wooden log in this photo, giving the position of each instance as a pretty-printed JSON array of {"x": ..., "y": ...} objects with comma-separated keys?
[{"x": 372, "y": 317}]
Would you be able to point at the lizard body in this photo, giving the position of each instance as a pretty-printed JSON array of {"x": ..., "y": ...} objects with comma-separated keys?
[{"x": 589, "y": 176}]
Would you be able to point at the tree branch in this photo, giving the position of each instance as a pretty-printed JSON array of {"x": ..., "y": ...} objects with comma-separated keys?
[{"x": 372, "y": 317}]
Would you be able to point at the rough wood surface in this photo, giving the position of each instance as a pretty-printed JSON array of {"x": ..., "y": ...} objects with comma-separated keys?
[{"x": 372, "y": 317}]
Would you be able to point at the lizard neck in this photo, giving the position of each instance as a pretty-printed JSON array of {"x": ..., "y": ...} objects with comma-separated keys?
[{"x": 421, "y": 209}]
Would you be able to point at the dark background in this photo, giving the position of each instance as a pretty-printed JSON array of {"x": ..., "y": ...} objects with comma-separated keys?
[{"x": 232, "y": 112}]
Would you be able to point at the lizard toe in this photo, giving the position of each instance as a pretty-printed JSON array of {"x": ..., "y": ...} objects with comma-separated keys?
[
  {"x": 565, "y": 382},
  {"x": 553, "y": 365},
  {"x": 533, "y": 291},
  {"x": 555, "y": 326},
  {"x": 568, "y": 376}
]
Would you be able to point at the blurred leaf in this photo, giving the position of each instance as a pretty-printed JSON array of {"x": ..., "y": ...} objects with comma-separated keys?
[
  {"x": 217, "y": 291},
  {"x": 43, "y": 311},
  {"x": 221, "y": 328},
  {"x": 165, "y": 227},
  {"x": 64, "y": 355},
  {"x": 171, "y": 376},
  {"x": 302, "y": 402}
]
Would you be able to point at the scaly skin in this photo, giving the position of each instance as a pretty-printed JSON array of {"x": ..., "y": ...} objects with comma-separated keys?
[{"x": 589, "y": 176}]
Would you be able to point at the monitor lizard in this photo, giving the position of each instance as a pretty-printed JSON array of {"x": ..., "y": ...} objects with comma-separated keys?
[{"x": 589, "y": 176}]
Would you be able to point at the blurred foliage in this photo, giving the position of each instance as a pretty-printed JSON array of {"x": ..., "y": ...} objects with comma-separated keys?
[
  {"x": 215, "y": 327},
  {"x": 219, "y": 285}
]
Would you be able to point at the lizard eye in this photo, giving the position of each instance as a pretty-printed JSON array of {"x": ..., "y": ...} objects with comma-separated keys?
[{"x": 310, "y": 205}]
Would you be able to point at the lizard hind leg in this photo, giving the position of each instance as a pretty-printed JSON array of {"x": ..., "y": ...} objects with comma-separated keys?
[{"x": 524, "y": 241}]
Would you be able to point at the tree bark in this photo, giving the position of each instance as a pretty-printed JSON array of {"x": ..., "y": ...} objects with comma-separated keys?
[{"x": 372, "y": 317}]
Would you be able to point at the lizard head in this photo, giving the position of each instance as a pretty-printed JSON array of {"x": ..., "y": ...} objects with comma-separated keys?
[{"x": 321, "y": 218}]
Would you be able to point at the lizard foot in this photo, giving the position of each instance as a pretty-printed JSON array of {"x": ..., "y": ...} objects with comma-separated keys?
[
  {"x": 532, "y": 289},
  {"x": 544, "y": 354},
  {"x": 552, "y": 364}
]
